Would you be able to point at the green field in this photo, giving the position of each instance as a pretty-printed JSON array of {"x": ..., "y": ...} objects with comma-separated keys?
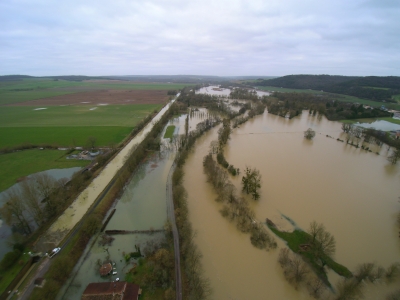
[
  {"x": 38, "y": 88},
  {"x": 70, "y": 125},
  {"x": 62, "y": 136},
  {"x": 343, "y": 98},
  {"x": 75, "y": 116},
  {"x": 22, "y": 163}
]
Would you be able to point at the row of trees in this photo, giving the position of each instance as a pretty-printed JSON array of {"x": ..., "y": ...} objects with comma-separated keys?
[
  {"x": 196, "y": 285},
  {"x": 236, "y": 209}
]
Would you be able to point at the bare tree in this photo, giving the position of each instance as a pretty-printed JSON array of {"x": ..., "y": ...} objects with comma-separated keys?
[
  {"x": 323, "y": 243},
  {"x": 91, "y": 142},
  {"x": 13, "y": 211},
  {"x": 32, "y": 201},
  {"x": 45, "y": 186}
]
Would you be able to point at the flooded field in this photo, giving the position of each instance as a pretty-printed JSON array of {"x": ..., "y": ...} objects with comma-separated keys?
[
  {"x": 215, "y": 90},
  {"x": 379, "y": 125},
  {"x": 354, "y": 193},
  {"x": 141, "y": 207}
]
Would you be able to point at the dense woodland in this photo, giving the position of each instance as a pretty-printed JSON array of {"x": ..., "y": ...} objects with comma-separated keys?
[{"x": 371, "y": 87}]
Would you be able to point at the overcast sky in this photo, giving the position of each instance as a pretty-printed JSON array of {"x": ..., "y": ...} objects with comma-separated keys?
[{"x": 204, "y": 37}]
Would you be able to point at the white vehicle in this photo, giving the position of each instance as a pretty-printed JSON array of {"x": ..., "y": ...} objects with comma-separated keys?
[{"x": 54, "y": 252}]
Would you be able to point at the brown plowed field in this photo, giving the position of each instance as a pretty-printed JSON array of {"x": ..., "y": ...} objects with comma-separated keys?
[{"x": 102, "y": 97}]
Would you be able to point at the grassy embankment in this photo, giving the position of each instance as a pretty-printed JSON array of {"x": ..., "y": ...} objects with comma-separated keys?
[
  {"x": 298, "y": 237},
  {"x": 169, "y": 132},
  {"x": 23, "y": 163},
  {"x": 339, "y": 97}
]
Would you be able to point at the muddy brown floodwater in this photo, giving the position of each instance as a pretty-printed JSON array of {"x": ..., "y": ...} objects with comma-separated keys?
[{"x": 354, "y": 193}]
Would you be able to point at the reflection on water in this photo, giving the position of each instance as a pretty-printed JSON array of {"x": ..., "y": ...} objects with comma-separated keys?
[{"x": 354, "y": 193}]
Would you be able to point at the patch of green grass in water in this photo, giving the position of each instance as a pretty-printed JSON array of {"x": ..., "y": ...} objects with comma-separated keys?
[
  {"x": 23, "y": 163},
  {"x": 296, "y": 238},
  {"x": 169, "y": 132}
]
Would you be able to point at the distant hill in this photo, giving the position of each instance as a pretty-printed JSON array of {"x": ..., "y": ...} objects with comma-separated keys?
[{"x": 372, "y": 87}]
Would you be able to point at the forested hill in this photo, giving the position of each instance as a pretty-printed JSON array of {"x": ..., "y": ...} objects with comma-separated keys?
[{"x": 371, "y": 87}]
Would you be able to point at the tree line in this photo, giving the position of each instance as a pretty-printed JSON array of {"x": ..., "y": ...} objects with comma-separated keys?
[
  {"x": 236, "y": 209},
  {"x": 292, "y": 104},
  {"x": 372, "y": 87}
]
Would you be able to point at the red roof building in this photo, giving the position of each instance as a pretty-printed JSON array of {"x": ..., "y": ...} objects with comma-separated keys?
[{"x": 111, "y": 291}]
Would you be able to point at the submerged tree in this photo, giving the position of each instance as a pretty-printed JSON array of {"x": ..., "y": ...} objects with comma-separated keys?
[
  {"x": 252, "y": 182},
  {"x": 394, "y": 156},
  {"x": 323, "y": 243},
  {"x": 309, "y": 134}
]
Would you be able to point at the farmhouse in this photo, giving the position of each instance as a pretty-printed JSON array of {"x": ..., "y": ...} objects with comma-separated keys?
[{"x": 111, "y": 291}]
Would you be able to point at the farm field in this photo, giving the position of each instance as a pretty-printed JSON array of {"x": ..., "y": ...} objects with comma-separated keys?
[
  {"x": 23, "y": 163},
  {"x": 70, "y": 125},
  {"x": 75, "y": 116},
  {"x": 12, "y": 92},
  {"x": 62, "y": 136},
  {"x": 344, "y": 98}
]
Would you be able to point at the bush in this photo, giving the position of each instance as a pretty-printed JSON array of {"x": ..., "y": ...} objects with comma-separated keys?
[{"x": 10, "y": 258}]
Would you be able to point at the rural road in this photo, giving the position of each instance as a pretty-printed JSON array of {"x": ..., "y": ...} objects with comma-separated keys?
[{"x": 171, "y": 216}]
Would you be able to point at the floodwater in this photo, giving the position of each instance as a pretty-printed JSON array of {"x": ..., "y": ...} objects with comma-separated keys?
[
  {"x": 379, "y": 125},
  {"x": 354, "y": 193},
  {"x": 142, "y": 206},
  {"x": 5, "y": 230},
  {"x": 215, "y": 90},
  {"x": 75, "y": 212}
]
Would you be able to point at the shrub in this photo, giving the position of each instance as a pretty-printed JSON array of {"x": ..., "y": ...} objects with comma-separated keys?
[{"x": 10, "y": 258}]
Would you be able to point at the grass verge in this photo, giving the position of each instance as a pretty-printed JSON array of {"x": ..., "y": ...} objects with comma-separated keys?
[{"x": 169, "y": 132}]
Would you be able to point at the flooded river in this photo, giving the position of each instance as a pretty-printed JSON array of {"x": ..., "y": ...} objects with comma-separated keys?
[{"x": 354, "y": 193}]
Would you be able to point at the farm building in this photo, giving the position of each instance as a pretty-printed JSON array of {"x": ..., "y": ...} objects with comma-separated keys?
[
  {"x": 111, "y": 291},
  {"x": 105, "y": 269}
]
